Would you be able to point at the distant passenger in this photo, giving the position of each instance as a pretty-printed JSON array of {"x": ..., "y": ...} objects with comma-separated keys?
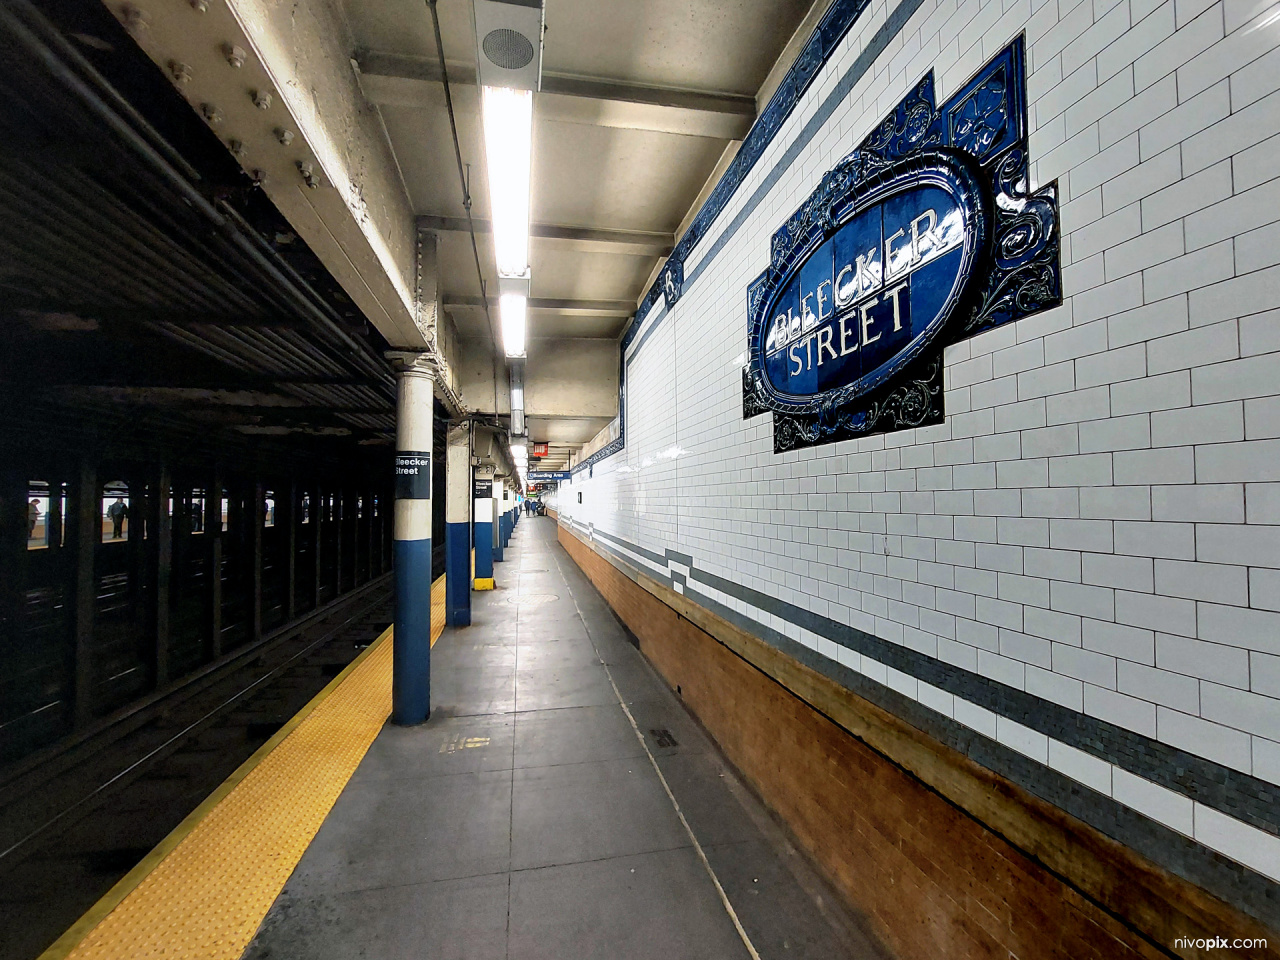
[
  {"x": 197, "y": 516},
  {"x": 33, "y": 516},
  {"x": 117, "y": 512}
]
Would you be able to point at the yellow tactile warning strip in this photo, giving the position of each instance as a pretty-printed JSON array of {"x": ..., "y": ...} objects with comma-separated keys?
[
  {"x": 201, "y": 894},
  {"x": 437, "y": 609}
]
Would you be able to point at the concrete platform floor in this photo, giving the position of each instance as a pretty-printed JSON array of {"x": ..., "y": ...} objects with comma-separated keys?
[{"x": 527, "y": 819}]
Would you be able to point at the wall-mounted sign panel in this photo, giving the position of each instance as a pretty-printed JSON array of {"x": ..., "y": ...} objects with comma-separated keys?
[
  {"x": 926, "y": 234},
  {"x": 483, "y": 489},
  {"x": 536, "y": 476},
  {"x": 413, "y": 475}
]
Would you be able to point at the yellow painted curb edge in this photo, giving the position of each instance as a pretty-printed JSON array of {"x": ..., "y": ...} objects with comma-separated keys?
[
  {"x": 113, "y": 897},
  {"x": 77, "y": 932}
]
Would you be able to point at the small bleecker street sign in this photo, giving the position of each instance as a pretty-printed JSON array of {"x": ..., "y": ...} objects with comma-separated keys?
[{"x": 413, "y": 475}]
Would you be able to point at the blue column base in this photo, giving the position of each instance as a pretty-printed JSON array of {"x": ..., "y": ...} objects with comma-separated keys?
[
  {"x": 457, "y": 574},
  {"x": 411, "y": 641},
  {"x": 484, "y": 551}
]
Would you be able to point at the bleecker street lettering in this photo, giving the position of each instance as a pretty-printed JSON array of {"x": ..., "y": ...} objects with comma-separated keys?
[
  {"x": 930, "y": 231},
  {"x": 866, "y": 293},
  {"x": 413, "y": 475}
]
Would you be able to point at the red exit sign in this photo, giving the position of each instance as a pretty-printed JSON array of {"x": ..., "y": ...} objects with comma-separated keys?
[{"x": 539, "y": 450}]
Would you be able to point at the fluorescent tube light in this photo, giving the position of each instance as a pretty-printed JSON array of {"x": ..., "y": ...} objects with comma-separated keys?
[
  {"x": 508, "y": 142},
  {"x": 513, "y": 308}
]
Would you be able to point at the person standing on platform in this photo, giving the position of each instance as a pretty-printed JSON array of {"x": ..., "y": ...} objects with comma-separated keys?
[
  {"x": 117, "y": 512},
  {"x": 33, "y": 517}
]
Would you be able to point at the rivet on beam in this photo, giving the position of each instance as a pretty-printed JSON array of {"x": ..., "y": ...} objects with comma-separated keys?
[
  {"x": 135, "y": 20},
  {"x": 284, "y": 136},
  {"x": 236, "y": 147},
  {"x": 261, "y": 99},
  {"x": 200, "y": 6},
  {"x": 309, "y": 175},
  {"x": 235, "y": 55},
  {"x": 179, "y": 72},
  {"x": 210, "y": 113}
]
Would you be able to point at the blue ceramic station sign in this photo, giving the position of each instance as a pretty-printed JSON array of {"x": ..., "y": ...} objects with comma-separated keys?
[
  {"x": 870, "y": 296},
  {"x": 928, "y": 233}
]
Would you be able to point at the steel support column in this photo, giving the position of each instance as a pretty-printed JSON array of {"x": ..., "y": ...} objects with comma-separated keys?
[
  {"x": 314, "y": 515},
  {"x": 508, "y": 523},
  {"x": 339, "y": 516},
  {"x": 291, "y": 560},
  {"x": 88, "y": 533},
  {"x": 411, "y": 657},
  {"x": 484, "y": 528},
  {"x": 257, "y": 515},
  {"x": 499, "y": 485},
  {"x": 161, "y": 554},
  {"x": 213, "y": 529},
  {"x": 457, "y": 558}
]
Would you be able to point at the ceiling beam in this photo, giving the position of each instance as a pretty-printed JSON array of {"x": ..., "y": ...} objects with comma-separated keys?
[
  {"x": 178, "y": 382},
  {"x": 633, "y": 242},
  {"x": 590, "y": 308},
  {"x": 396, "y": 80}
]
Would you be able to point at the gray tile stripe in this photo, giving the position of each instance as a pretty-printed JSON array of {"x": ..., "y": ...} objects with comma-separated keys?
[
  {"x": 1237, "y": 794},
  {"x": 1236, "y": 884},
  {"x": 1233, "y": 792},
  {"x": 681, "y": 558},
  {"x": 658, "y": 558},
  {"x": 1222, "y": 876}
]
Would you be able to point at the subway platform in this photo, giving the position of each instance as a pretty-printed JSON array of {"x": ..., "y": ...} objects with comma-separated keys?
[{"x": 560, "y": 802}]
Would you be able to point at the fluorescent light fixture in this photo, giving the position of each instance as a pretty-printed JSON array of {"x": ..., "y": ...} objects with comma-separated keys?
[
  {"x": 508, "y": 143},
  {"x": 513, "y": 308}
]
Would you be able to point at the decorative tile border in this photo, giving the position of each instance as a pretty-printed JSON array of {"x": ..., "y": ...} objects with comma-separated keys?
[{"x": 833, "y": 28}]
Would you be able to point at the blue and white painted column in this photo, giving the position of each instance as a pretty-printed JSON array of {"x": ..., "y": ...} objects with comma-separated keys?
[
  {"x": 457, "y": 515},
  {"x": 484, "y": 528},
  {"x": 498, "y": 519},
  {"x": 507, "y": 497},
  {"x": 411, "y": 640}
]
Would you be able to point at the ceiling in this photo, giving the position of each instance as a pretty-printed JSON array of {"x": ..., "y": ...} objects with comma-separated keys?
[
  {"x": 640, "y": 103},
  {"x": 138, "y": 310}
]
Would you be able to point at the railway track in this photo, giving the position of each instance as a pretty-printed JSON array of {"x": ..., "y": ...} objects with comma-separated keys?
[{"x": 66, "y": 838}]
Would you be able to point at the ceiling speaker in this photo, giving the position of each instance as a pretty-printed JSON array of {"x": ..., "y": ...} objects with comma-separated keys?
[
  {"x": 507, "y": 49},
  {"x": 509, "y": 43}
]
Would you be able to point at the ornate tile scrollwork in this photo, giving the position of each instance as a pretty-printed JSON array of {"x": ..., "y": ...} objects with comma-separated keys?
[
  {"x": 969, "y": 155},
  {"x": 672, "y": 281}
]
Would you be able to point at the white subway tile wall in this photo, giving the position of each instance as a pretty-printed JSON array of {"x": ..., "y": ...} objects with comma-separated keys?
[{"x": 1098, "y": 520}]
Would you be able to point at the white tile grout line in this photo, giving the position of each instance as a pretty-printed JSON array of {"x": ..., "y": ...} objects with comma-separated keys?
[{"x": 724, "y": 897}]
